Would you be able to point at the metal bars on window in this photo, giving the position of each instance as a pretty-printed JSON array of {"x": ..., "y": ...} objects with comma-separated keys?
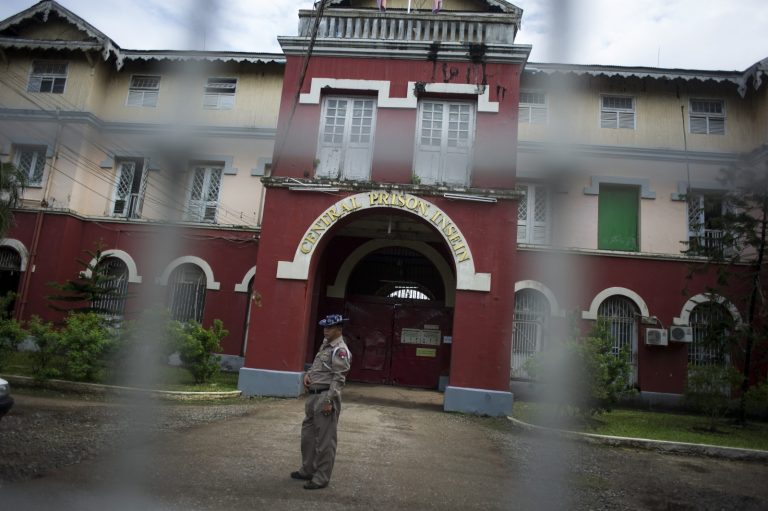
[
  {"x": 529, "y": 325},
  {"x": 187, "y": 293},
  {"x": 10, "y": 260},
  {"x": 31, "y": 161},
  {"x": 710, "y": 330},
  {"x": 115, "y": 273},
  {"x": 621, "y": 315}
]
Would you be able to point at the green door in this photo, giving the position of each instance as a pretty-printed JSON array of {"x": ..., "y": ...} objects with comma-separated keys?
[{"x": 617, "y": 218}]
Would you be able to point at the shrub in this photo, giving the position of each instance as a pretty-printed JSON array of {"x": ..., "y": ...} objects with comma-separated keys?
[
  {"x": 708, "y": 390},
  {"x": 584, "y": 375},
  {"x": 48, "y": 345},
  {"x": 85, "y": 342},
  {"x": 197, "y": 346},
  {"x": 11, "y": 332},
  {"x": 757, "y": 400}
]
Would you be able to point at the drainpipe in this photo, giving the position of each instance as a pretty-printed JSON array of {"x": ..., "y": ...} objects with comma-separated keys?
[{"x": 27, "y": 278}]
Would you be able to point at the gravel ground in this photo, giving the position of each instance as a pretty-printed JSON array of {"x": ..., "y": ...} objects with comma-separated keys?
[{"x": 45, "y": 431}]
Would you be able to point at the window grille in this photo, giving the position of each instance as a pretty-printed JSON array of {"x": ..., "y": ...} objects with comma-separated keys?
[
  {"x": 706, "y": 230},
  {"x": 346, "y": 138},
  {"x": 220, "y": 93},
  {"x": 47, "y": 76},
  {"x": 31, "y": 161},
  {"x": 115, "y": 284},
  {"x": 533, "y": 215},
  {"x": 10, "y": 260},
  {"x": 617, "y": 112},
  {"x": 130, "y": 189},
  {"x": 529, "y": 328},
  {"x": 621, "y": 315},
  {"x": 187, "y": 293},
  {"x": 204, "y": 194},
  {"x": 408, "y": 292},
  {"x": 444, "y": 142},
  {"x": 707, "y": 117},
  {"x": 532, "y": 108},
  {"x": 710, "y": 323},
  {"x": 143, "y": 91}
]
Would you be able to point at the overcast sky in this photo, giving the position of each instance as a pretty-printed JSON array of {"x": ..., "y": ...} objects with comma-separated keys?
[{"x": 693, "y": 34}]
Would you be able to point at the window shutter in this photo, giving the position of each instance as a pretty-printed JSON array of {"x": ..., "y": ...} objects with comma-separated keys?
[
  {"x": 524, "y": 114},
  {"x": 717, "y": 126},
  {"x": 135, "y": 98},
  {"x": 627, "y": 120},
  {"x": 522, "y": 215},
  {"x": 540, "y": 234},
  {"x": 698, "y": 124},
  {"x": 150, "y": 99},
  {"x": 608, "y": 119},
  {"x": 538, "y": 115},
  {"x": 34, "y": 83},
  {"x": 210, "y": 101}
]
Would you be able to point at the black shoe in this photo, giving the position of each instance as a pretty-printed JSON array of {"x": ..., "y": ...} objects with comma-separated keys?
[
  {"x": 300, "y": 476},
  {"x": 314, "y": 486}
]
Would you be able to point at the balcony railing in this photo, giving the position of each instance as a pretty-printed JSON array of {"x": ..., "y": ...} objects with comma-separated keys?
[
  {"x": 414, "y": 26},
  {"x": 710, "y": 243}
]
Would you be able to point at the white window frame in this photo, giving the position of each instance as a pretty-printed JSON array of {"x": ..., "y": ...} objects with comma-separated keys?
[
  {"x": 533, "y": 112},
  {"x": 531, "y": 230},
  {"x": 615, "y": 117},
  {"x": 215, "y": 98},
  {"x": 706, "y": 117},
  {"x": 133, "y": 202},
  {"x": 142, "y": 93},
  {"x": 444, "y": 151},
  {"x": 38, "y": 155},
  {"x": 204, "y": 209},
  {"x": 38, "y": 77},
  {"x": 350, "y": 157}
]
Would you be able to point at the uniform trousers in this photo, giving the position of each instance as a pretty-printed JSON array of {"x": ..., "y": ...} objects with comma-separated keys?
[{"x": 318, "y": 438}]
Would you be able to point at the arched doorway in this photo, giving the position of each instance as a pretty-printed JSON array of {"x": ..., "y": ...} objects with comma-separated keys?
[
  {"x": 10, "y": 275},
  {"x": 400, "y": 328}
]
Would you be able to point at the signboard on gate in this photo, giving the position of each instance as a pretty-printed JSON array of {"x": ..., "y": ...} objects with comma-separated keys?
[{"x": 429, "y": 337}]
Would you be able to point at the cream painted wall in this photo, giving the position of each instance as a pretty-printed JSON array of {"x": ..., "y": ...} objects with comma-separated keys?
[
  {"x": 55, "y": 29},
  {"x": 15, "y": 79},
  {"x": 658, "y": 124}
]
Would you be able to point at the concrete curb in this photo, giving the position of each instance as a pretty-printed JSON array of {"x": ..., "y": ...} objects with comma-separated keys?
[
  {"x": 663, "y": 446},
  {"x": 95, "y": 388}
]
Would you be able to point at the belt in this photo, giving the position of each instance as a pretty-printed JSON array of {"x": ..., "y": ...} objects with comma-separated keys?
[{"x": 317, "y": 390}]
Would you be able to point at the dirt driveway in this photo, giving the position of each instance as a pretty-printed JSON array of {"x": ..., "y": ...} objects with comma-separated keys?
[{"x": 393, "y": 454}]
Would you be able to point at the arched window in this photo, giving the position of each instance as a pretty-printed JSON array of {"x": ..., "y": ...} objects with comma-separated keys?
[
  {"x": 711, "y": 324},
  {"x": 529, "y": 328},
  {"x": 621, "y": 314},
  {"x": 187, "y": 293},
  {"x": 114, "y": 273}
]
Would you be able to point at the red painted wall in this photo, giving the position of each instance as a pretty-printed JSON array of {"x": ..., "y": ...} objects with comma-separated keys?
[
  {"x": 65, "y": 238},
  {"x": 495, "y": 147}
]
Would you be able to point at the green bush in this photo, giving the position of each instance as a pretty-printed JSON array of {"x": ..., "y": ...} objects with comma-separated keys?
[
  {"x": 586, "y": 378},
  {"x": 48, "y": 346},
  {"x": 11, "y": 332},
  {"x": 757, "y": 401},
  {"x": 708, "y": 390},
  {"x": 85, "y": 342},
  {"x": 197, "y": 347}
]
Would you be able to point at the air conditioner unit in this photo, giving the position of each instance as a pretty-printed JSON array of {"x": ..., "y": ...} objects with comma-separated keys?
[
  {"x": 681, "y": 334},
  {"x": 656, "y": 337}
]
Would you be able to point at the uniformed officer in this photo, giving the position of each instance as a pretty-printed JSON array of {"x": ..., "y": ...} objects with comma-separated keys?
[{"x": 323, "y": 383}]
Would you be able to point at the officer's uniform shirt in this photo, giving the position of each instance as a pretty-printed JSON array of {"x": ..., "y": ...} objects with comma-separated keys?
[{"x": 330, "y": 366}]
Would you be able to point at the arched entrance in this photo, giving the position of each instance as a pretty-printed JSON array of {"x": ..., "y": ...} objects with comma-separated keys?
[{"x": 400, "y": 328}]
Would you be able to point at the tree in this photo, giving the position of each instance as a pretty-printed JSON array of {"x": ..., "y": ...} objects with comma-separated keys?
[
  {"x": 12, "y": 183},
  {"x": 91, "y": 291},
  {"x": 738, "y": 255}
]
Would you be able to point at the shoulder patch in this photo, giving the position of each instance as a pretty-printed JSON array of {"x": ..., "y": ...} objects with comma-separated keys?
[{"x": 342, "y": 354}]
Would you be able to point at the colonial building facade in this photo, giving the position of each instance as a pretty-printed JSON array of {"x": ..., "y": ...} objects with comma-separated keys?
[{"x": 408, "y": 168}]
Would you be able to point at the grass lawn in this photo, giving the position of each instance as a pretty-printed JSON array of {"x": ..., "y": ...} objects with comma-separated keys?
[
  {"x": 675, "y": 427},
  {"x": 171, "y": 378}
]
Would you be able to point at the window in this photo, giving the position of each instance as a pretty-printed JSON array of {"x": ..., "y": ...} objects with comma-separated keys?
[
  {"x": 346, "y": 138},
  {"x": 711, "y": 323},
  {"x": 617, "y": 112},
  {"x": 533, "y": 108},
  {"x": 533, "y": 215},
  {"x": 31, "y": 161},
  {"x": 48, "y": 76},
  {"x": 617, "y": 218},
  {"x": 621, "y": 315},
  {"x": 706, "y": 227},
  {"x": 187, "y": 293},
  {"x": 444, "y": 139},
  {"x": 130, "y": 188},
  {"x": 204, "y": 193},
  {"x": 143, "y": 91},
  {"x": 114, "y": 273},
  {"x": 528, "y": 328},
  {"x": 220, "y": 93},
  {"x": 707, "y": 116}
]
